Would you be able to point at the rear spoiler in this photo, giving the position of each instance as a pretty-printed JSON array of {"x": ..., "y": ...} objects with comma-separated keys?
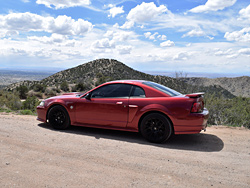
[{"x": 195, "y": 95}]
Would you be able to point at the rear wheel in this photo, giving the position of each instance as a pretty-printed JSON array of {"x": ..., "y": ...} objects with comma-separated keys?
[
  {"x": 58, "y": 118},
  {"x": 155, "y": 128}
]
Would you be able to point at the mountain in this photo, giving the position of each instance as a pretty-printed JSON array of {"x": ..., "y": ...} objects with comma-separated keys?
[
  {"x": 238, "y": 86},
  {"x": 101, "y": 70}
]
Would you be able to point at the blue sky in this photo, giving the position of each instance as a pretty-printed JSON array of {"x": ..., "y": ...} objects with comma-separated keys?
[{"x": 202, "y": 36}]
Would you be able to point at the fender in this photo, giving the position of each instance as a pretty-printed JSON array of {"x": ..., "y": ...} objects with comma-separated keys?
[
  {"x": 68, "y": 105},
  {"x": 149, "y": 108}
]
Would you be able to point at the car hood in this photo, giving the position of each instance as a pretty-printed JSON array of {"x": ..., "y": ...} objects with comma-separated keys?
[{"x": 65, "y": 96}]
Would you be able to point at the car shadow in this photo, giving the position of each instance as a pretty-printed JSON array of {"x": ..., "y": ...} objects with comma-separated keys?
[{"x": 203, "y": 142}]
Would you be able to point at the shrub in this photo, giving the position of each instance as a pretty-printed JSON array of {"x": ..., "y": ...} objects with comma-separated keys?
[
  {"x": 10, "y": 100},
  {"x": 79, "y": 87},
  {"x": 26, "y": 112},
  {"x": 234, "y": 112},
  {"x": 23, "y": 90},
  {"x": 50, "y": 92},
  {"x": 30, "y": 103},
  {"x": 39, "y": 88},
  {"x": 64, "y": 86}
]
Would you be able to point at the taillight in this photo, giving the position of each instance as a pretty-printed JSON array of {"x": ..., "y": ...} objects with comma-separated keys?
[{"x": 197, "y": 107}]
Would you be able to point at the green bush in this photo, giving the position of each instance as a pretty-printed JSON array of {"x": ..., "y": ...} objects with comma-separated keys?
[
  {"x": 39, "y": 88},
  {"x": 10, "y": 100},
  {"x": 26, "y": 112},
  {"x": 50, "y": 92},
  {"x": 233, "y": 112},
  {"x": 23, "y": 90},
  {"x": 79, "y": 87},
  {"x": 30, "y": 103},
  {"x": 5, "y": 110},
  {"x": 64, "y": 86}
]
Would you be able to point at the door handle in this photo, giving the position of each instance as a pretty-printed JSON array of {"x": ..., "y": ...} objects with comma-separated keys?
[
  {"x": 118, "y": 102},
  {"x": 132, "y": 106}
]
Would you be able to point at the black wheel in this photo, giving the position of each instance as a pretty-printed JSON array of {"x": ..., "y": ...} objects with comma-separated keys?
[
  {"x": 155, "y": 128},
  {"x": 58, "y": 117}
]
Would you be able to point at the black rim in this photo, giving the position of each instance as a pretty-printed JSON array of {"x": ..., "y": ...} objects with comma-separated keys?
[
  {"x": 154, "y": 129},
  {"x": 58, "y": 118}
]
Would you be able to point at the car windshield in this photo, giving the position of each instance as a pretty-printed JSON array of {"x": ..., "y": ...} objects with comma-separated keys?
[{"x": 162, "y": 88}]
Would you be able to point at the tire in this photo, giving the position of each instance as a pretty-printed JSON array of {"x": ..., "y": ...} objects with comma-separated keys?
[
  {"x": 58, "y": 118},
  {"x": 155, "y": 128}
]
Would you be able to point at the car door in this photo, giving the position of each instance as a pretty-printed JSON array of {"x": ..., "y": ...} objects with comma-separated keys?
[{"x": 107, "y": 106}]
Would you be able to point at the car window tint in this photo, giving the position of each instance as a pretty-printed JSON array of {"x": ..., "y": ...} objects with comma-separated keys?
[
  {"x": 137, "y": 92},
  {"x": 162, "y": 88},
  {"x": 112, "y": 91}
]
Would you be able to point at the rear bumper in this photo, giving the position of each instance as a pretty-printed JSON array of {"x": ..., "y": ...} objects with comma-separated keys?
[{"x": 194, "y": 123}]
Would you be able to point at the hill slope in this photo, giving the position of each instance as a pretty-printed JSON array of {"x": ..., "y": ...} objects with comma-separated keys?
[
  {"x": 238, "y": 86},
  {"x": 98, "y": 71}
]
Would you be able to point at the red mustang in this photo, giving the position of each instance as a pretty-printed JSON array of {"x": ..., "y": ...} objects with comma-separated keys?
[{"x": 152, "y": 109}]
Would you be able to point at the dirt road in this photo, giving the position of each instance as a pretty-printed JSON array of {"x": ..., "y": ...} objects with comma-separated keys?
[{"x": 34, "y": 155}]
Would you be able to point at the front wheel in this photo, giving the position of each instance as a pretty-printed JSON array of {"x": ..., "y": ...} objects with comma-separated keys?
[
  {"x": 58, "y": 118},
  {"x": 155, "y": 128}
]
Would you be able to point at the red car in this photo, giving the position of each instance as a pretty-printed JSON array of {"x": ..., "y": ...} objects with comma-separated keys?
[{"x": 152, "y": 109}]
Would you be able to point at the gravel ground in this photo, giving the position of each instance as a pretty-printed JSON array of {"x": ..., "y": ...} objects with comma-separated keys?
[{"x": 32, "y": 154}]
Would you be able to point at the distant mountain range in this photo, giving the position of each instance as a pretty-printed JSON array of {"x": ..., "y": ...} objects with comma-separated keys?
[{"x": 101, "y": 70}]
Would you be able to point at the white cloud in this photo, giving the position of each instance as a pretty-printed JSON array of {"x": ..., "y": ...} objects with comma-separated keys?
[
  {"x": 109, "y": 34},
  {"x": 211, "y": 38},
  {"x": 162, "y": 37},
  {"x": 147, "y": 35},
  {"x": 128, "y": 25},
  {"x": 122, "y": 49},
  {"x": 167, "y": 43},
  {"x": 60, "y": 4},
  {"x": 32, "y": 22},
  {"x": 229, "y": 53},
  {"x": 194, "y": 33},
  {"x": 245, "y": 51},
  {"x": 181, "y": 56},
  {"x": 144, "y": 12},
  {"x": 54, "y": 39},
  {"x": 67, "y": 26},
  {"x": 245, "y": 12},
  {"x": 155, "y": 36},
  {"x": 121, "y": 36},
  {"x": 103, "y": 43},
  {"x": 213, "y": 5},
  {"x": 150, "y": 36},
  {"x": 242, "y": 35},
  {"x": 115, "y": 11},
  {"x": 22, "y": 22}
]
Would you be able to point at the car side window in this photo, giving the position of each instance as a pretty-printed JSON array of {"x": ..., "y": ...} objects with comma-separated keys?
[
  {"x": 112, "y": 91},
  {"x": 137, "y": 92}
]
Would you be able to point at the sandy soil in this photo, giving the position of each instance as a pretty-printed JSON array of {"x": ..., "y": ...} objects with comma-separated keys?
[{"x": 32, "y": 154}]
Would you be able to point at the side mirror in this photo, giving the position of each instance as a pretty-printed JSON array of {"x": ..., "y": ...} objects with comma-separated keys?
[{"x": 88, "y": 96}]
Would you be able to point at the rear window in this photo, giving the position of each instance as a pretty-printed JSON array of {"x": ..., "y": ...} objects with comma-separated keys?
[{"x": 162, "y": 88}]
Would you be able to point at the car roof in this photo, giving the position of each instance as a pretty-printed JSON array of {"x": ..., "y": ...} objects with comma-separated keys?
[{"x": 128, "y": 81}]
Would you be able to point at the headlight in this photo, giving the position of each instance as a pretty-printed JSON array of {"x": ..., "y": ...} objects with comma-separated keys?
[{"x": 42, "y": 103}]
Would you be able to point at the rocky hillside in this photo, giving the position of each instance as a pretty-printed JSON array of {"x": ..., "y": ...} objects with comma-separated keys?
[
  {"x": 239, "y": 86},
  {"x": 98, "y": 71}
]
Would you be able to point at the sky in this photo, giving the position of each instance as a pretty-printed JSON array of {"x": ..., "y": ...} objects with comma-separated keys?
[{"x": 190, "y": 36}]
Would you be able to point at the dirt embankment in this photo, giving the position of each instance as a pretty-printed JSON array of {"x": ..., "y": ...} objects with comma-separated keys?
[{"x": 34, "y": 155}]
